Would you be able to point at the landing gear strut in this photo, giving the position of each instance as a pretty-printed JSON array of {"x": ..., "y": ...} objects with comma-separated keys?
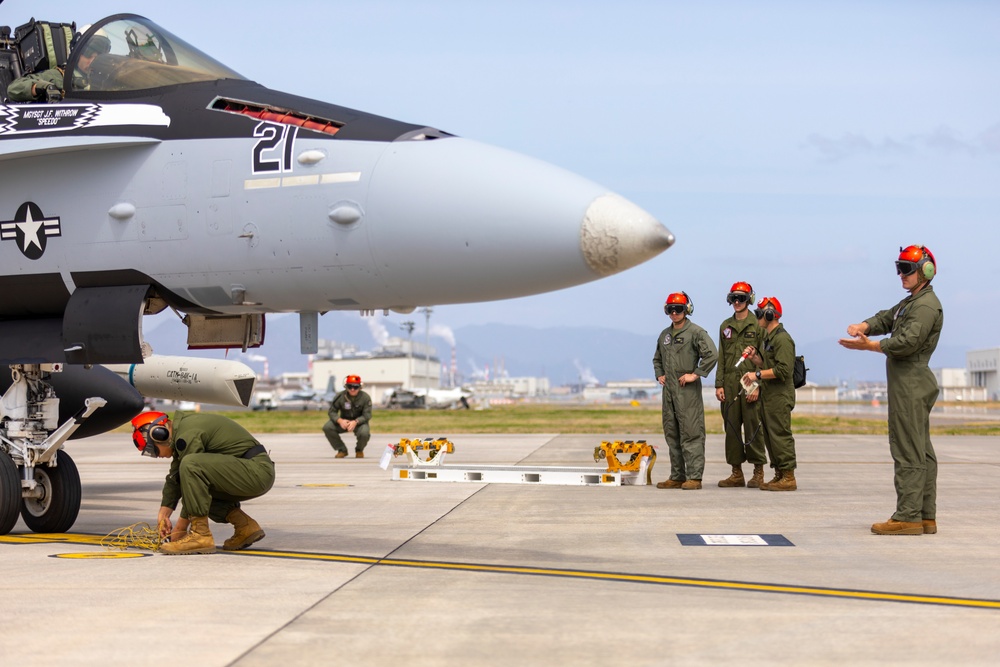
[{"x": 36, "y": 477}]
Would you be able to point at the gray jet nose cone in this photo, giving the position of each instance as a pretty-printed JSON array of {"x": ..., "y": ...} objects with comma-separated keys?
[{"x": 617, "y": 235}]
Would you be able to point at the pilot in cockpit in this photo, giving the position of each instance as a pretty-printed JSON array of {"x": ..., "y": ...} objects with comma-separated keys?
[{"x": 47, "y": 85}]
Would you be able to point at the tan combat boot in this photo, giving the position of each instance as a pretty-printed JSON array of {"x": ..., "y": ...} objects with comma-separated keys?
[
  {"x": 691, "y": 484},
  {"x": 893, "y": 527},
  {"x": 765, "y": 486},
  {"x": 669, "y": 484},
  {"x": 197, "y": 541},
  {"x": 341, "y": 455},
  {"x": 758, "y": 477},
  {"x": 930, "y": 526},
  {"x": 247, "y": 531},
  {"x": 734, "y": 480},
  {"x": 786, "y": 483}
]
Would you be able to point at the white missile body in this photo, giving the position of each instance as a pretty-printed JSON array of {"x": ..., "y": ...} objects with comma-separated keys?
[{"x": 215, "y": 381}]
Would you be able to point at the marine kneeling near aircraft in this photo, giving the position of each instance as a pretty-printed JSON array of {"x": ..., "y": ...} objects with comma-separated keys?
[{"x": 215, "y": 465}]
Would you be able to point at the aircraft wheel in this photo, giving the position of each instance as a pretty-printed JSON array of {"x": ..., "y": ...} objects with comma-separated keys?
[
  {"x": 55, "y": 510},
  {"x": 10, "y": 493}
]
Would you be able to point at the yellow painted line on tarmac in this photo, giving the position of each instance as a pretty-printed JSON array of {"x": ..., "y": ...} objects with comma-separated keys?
[
  {"x": 325, "y": 486},
  {"x": 102, "y": 555},
  {"x": 592, "y": 575},
  {"x": 45, "y": 538},
  {"x": 875, "y": 596}
]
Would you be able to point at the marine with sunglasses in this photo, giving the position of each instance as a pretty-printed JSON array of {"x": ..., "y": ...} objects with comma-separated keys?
[
  {"x": 914, "y": 327},
  {"x": 350, "y": 412},
  {"x": 741, "y": 418},
  {"x": 684, "y": 355},
  {"x": 775, "y": 359}
]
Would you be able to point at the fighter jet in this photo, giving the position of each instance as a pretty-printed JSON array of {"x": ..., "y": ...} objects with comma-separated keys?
[
  {"x": 422, "y": 397},
  {"x": 157, "y": 178}
]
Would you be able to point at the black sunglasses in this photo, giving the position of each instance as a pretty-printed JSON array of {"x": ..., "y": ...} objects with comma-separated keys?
[
  {"x": 737, "y": 297},
  {"x": 905, "y": 268},
  {"x": 354, "y": 386},
  {"x": 675, "y": 309}
]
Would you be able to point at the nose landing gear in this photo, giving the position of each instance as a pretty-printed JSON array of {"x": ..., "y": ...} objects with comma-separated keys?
[{"x": 37, "y": 478}]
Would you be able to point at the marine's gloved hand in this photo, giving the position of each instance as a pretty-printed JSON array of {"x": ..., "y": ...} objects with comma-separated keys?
[{"x": 53, "y": 93}]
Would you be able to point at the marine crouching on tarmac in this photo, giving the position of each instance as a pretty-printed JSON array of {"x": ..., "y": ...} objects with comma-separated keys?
[
  {"x": 350, "y": 412},
  {"x": 215, "y": 465}
]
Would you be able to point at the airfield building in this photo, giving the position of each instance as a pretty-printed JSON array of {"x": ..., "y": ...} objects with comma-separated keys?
[{"x": 389, "y": 367}]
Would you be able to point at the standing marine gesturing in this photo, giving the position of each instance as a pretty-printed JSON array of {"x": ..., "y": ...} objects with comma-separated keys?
[{"x": 914, "y": 325}]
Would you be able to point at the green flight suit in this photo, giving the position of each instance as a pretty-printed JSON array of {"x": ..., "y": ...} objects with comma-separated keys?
[
  {"x": 746, "y": 445},
  {"x": 19, "y": 89},
  {"x": 678, "y": 352},
  {"x": 777, "y": 396},
  {"x": 354, "y": 409},
  {"x": 208, "y": 471},
  {"x": 915, "y": 327}
]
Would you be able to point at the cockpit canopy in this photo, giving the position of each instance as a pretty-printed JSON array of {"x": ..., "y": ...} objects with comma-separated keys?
[{"x": 126, "y": 52}]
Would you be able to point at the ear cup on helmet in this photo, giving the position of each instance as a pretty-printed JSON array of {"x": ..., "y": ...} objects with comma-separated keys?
[
  {"x": 690, "y": 304},
  {"x": 159, "y": 433},
  {"x": 927, "y": 269}
]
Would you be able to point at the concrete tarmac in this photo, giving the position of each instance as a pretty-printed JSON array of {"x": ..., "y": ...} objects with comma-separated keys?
[{"x": 357, "y": 569}]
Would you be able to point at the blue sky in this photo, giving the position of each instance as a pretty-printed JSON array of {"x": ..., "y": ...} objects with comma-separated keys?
[{"x": 795, "y": 145}]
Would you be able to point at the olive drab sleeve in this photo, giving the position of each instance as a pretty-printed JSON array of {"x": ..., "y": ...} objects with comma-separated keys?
[
  {"x": 334, "y": 411},
  {"x": 366, "y": 408},
  {"x": 916, "y": 327},
  {"x": 783, "y": 356},
  {"x": 171, "y": 493},
  {"x": 658, "y": 368},
  {"x": 708, "y": 353},
  {"x": 20, "y": 89},
  {"x": 880, "y": 323},
  {"x": 720, "y": 376}
]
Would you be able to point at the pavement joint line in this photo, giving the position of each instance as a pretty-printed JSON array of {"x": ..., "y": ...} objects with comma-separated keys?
[{"x": 622, "y": 577}]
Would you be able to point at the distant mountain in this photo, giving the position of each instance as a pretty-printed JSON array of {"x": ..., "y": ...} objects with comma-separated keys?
[{"x": 566, "y": 355}]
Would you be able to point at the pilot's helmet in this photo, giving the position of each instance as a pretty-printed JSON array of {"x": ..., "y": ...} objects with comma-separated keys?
[
  {"x": 353, "y": 382},
  {"x": 96, "y": 46}
]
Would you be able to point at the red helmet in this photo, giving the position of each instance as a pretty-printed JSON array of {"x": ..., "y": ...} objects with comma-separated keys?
[
  {"x": 740, "y": 288},
  {"x": 148, "y": 430},
  {"x": 679, "y": 299},
  {"x": 353, "y": 380},
  {"x": 769, "y": 304},
  {"x": 916, "y": 258}
]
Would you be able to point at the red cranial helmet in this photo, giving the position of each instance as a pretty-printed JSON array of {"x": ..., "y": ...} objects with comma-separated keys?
[
  {"x": 740, "y": 288},
  {"x": 769, "y": 308},
  {"x": 679, "y": 299},
  {"x": 916, "y": 258},
  {"x": 149, "y": 430},
  {"x": 353, "y": 382}
]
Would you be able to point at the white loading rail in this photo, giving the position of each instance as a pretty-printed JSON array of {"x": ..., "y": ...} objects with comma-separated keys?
[{"x": 494, "y": 474}]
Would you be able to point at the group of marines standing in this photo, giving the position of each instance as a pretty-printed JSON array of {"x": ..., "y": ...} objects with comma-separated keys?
[{"x": 755, "y": 388}]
